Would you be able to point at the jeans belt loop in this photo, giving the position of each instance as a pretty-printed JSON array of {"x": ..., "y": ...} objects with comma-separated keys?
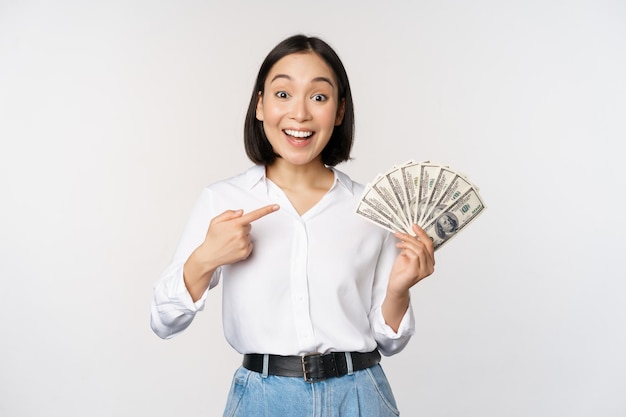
[
  {"x": 349, "y": 363},
  {"x": 266, "y": 365}
]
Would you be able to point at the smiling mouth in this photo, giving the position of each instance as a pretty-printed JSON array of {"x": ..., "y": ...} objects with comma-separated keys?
[{"x": 298, "y": 134}]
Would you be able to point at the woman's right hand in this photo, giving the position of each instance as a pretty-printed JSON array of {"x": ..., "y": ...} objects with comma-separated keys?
[
  {"x": 228, "y": 238},
  {"x": 227, "y": 241}
]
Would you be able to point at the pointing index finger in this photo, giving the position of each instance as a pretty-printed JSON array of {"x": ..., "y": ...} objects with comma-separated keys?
[{"x": 258, "y": 213}]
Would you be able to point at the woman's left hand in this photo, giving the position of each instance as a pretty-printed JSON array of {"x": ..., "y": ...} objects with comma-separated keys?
[{"x": 415, "y": 262}]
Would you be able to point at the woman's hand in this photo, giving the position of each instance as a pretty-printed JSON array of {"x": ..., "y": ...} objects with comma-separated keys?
[
  {"x": 228, "y": 238},
  {"x": 227, "y": 241},
  {"x": 415, "y": 262}
]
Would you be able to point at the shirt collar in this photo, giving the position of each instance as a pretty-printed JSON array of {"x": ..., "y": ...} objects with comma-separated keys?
[
  {"x": 256, "y": 175},
  {"x": 343, "y": 179}
]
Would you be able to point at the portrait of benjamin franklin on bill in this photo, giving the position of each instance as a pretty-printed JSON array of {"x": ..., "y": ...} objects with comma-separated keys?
[{"x": 446, "y": 225}]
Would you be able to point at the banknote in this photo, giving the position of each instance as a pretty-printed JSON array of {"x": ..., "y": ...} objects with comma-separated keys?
[
  {"x": 374, "y": 216},
  {"x": 428, "y": 173},
  {"x": 384, "y": 191},
  {"x": 411, "y": 178},
  {"x": 436, "y": 197},
  {"x": 396, "y": 181},
  {"x": 454, "y": 188},
  {"x": 454, "y": 218},
  {"x": 372, "y": 200},
  {"x": 411, "y": 175}
]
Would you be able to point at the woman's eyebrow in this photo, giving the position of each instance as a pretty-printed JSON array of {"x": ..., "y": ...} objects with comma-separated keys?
[
  {"x": 277, "y": 76},
  {"x": 314, "y": 80},
  {"x": 323, "y": 79}
]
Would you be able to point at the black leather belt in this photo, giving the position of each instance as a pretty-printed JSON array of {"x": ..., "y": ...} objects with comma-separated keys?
[{"x": 313, "y": 367}]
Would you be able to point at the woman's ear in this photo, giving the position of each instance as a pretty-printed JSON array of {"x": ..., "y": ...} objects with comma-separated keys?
[
  {"x": 259, "y": 107},
  {"x": 341, "y": 110}
]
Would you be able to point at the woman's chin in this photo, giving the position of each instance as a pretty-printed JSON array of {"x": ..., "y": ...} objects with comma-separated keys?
[{"x": 299, "y": 159}]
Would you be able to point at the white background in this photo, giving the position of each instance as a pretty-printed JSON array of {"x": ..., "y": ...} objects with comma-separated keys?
[{"x": 115, "y": 114}]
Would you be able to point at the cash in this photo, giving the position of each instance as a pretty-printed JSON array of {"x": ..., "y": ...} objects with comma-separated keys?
[{"x": 437, "y": 198}]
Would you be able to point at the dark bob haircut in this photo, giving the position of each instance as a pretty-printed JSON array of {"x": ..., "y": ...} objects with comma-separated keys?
[{"x": 338, "y": 148}]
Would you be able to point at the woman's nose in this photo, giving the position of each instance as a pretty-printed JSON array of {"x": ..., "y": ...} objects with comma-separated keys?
[{"x": 300, "y": 110}]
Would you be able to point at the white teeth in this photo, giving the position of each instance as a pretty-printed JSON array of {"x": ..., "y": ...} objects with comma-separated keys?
[{"x": 298, "y": 133}]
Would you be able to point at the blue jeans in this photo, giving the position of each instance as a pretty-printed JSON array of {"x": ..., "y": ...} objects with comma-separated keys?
[{"x": 364, "y": 393}]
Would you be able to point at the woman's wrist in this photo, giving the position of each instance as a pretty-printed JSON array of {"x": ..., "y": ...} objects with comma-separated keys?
[
  {"x": 197, "y": 273},
  {"x": 394, "y": 307}
]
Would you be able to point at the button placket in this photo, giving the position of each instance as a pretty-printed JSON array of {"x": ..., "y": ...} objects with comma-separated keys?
[{"x": 299, "y": 287}]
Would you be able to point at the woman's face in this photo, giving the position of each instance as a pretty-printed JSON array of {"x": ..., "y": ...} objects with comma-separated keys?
[{"x": 300, "y": 107}]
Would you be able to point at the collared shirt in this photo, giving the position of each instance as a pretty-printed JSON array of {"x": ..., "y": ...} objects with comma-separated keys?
[{"x": 313, "y": 282}]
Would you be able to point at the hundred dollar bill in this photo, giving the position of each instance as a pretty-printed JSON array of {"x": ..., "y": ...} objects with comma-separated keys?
[
  {"x": 395, "y": 179},
  {"x": 445, "y": 176},
  {"x": 411, "y": 178},
  {"x": 456, "y": 187},
  {"x": 373, "y": 200},
  {"x": 454, "y": 218},
  {"x": 428, "y": 174},
  {"x": 385, "y": 190},
  {"x": 369, "y": 213}
]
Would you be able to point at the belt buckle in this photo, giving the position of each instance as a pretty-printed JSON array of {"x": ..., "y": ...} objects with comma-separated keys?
[{"x": 307, "y": 360}]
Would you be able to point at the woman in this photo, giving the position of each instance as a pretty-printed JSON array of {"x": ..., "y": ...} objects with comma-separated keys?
[{"x": 311, "y": 291}]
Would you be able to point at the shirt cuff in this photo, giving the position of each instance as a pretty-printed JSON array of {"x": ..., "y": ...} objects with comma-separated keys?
[
  {"x": 405, "y": 329},
  {"x": 179, "y": 297}
]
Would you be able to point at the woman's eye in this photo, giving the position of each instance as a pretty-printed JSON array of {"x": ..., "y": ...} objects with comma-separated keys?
[
  {"x": 319, "y": 97},
  {"x": 282, "y": 94}
]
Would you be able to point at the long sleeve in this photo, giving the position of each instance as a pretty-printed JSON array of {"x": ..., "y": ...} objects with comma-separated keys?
[
  {"x": 389, "y": 342},
  {"x": 172, "y": 309}
]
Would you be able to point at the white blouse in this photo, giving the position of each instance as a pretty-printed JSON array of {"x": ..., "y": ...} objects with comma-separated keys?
[{"x": 313, "y": 283}]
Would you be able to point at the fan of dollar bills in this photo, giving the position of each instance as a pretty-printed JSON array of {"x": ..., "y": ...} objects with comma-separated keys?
[{"x": 435, "y": 197}]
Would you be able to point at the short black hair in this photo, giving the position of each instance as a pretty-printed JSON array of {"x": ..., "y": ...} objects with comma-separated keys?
[{"x": 258, "y": 148}]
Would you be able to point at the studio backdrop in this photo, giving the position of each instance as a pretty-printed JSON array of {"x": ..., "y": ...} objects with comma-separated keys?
[{"x": 114, "y": 115}]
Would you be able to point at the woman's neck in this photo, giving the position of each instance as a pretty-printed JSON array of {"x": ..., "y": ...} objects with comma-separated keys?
[
  {"x": 304, "y": 185},
  {"x": 310, "y": 176}
]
